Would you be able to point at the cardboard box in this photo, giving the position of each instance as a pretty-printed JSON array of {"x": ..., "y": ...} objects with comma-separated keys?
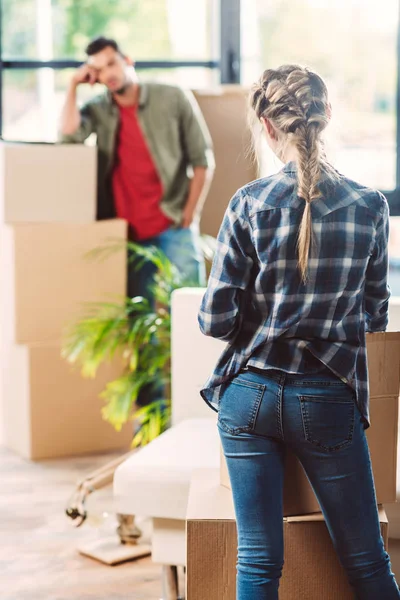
[
  {"x": 44, "y": 183},
  {"x": 225, "y": 111},
  {"x": 47, "y": 278},
  {"x": 383, "y": 351},
  {"x": 298, "y": 495},
  {"x": 312, "y": 570},
  {"x": 382, "y": 438},
  {"x": 384, "y": 375},
  {"x": 50, "y": 410}
]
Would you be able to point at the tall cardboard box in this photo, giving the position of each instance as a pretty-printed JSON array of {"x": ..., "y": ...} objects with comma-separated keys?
[
  {"x": 50, "y": 410},
  {"x": 311, "y": 572},
  {"x": 383, "y": 435},
  {"x": 225, "y": 112},
  {"x": 46, "y": 277},
  {"x": 47, "y": 183}
]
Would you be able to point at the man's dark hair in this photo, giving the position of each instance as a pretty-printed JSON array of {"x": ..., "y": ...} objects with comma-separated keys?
[{"x": 99, "y": 43}]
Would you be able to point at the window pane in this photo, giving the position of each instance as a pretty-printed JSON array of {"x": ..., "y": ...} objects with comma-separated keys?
[
  {"x": 352, "y": 44},
  {"x": 33, "y": 99},
  {"x": 19, "y": 29},
  {"x": 20, "y": 105},
  {"x": 156, "y": 29},
  {"x": 144, "y": 29}
]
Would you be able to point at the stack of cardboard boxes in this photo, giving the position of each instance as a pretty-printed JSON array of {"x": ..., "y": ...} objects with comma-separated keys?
[
  {"x": 312, "y": 570},
  {"x": 47, "y": 216}
]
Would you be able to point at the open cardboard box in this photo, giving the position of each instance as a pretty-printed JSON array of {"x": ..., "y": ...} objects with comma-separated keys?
[
  {"x": 384, "y": 377},
  {"x": 312, "y": 570},
  {"x": 225, "y": 111}
]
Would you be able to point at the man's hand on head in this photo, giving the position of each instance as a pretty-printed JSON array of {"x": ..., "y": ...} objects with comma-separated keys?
[{"x": 85, "y": 74}]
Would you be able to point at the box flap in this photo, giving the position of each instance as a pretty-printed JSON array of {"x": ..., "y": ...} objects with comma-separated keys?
[
  {"x": 303, "y": 518},
  {"x": 319, "y": 517}
]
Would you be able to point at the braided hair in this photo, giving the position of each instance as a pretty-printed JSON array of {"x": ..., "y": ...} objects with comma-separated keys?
[{"x": 295, "y": 100}]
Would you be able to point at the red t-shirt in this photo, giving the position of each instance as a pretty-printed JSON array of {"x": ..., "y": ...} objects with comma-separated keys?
[{"x": 137, "y": 186}]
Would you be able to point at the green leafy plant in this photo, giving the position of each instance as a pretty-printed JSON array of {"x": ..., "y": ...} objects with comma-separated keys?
[{"x": 130, "y": 328}]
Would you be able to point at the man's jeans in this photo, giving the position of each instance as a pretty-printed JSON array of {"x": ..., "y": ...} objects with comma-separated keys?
[
  {"x": 261, "y": 413},
  {"x": 182, "y": 247}
]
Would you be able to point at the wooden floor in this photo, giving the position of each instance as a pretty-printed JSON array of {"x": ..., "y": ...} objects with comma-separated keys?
[
  {"x": 38, "y": 556},
  {"x": 38, "y": 544}
]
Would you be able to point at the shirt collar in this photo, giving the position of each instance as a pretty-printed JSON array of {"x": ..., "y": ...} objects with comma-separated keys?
[
  {"x": 143, "y": 96},
  {"x": 290, "y": 167},
  {"x": 329, "y": 201}
]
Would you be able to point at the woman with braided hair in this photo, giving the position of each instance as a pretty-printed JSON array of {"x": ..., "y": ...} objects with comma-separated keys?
[{"x": 299, "y": 277}]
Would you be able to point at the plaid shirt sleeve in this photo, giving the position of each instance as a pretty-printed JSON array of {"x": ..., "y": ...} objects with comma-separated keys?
[
  {"x": 377, "y": 291},
  {"x": 220, "y": 314}
]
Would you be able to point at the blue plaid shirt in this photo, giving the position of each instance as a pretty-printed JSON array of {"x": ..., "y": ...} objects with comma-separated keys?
[{"x": 257, "y": 302}]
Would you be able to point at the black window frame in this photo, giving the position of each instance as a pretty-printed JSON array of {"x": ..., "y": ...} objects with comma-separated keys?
[{"x": 229, "y": 65}]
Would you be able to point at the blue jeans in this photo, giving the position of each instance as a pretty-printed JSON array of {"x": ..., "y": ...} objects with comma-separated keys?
[
  {"x": 182, "y": 247},
  {"x": 263, "y": 412}
]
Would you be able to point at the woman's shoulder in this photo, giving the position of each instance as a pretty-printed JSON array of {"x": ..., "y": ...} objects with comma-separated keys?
[
  {"x": 272, "y": 191},
  {"x": 361, "y": 194},
  {"x": 278, "y": 191}
]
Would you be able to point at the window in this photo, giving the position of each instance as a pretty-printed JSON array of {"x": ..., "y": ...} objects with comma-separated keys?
[
  {"x": 155, "y": 30},
  {"x": 153, "y": 33},
  {"x": 147, "y": 30},
  {"x": 352, "y": 44}
]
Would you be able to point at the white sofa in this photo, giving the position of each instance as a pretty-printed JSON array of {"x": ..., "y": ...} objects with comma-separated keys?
[{"x": 155, "y": 481}]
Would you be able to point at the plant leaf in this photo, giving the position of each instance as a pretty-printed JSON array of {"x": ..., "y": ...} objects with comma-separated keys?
[{"x": 129, "y": 327}]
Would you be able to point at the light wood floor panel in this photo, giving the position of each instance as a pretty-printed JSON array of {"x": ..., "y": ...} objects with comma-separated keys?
[{"x": 38, "y": 556}]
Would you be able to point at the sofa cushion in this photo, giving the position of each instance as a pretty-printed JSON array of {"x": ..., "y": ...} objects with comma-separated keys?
[{"x": 155, "y": 481}]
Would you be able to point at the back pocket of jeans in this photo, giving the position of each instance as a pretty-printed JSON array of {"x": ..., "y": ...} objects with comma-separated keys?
[
  {"x": 328, "y": 423},
  {"x": 239, "y": 406}
]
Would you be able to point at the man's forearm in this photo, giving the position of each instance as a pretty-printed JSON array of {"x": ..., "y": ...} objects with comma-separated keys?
[
  {"x": 70, "y": 116},
  {"x": 199, "y": 186}
]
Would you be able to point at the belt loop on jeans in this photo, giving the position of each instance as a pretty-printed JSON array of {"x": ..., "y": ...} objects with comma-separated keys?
[{"x": 282, "y": 378}]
